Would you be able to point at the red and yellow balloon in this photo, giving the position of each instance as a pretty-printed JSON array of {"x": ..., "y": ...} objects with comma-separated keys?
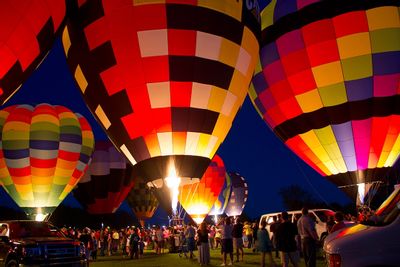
[{"x": 164, "y": 78}]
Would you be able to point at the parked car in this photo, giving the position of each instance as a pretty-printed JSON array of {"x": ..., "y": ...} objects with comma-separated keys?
[
  {"x": 320, "y": 216},
  {"x": 375, "y": 242},
  {"x": 28, "y": 243}
]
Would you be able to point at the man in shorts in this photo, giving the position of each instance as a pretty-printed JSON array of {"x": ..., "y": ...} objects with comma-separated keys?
[
  {"x": 237, "y": 234},
  {"x": 226, "y": 240}
]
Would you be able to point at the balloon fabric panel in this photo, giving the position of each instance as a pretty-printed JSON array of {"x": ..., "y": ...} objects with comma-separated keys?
[
  {"x": 223, "y": 198},
  {"x": 204, "y": 53},
  {"x": 44, "y": 152},
  {"x": 327, "y": 84},
  {"x": 107, "y": 182},
  {"x": 198, "y": 198},
  {"x": 28, "y": 29},
  {"x": 238, "y": 197}
]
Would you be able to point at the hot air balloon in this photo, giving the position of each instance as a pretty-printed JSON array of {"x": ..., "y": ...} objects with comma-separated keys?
[
  {"x": 27, "y": 31},
  {"x": 328, "y": 85},
  {"x": 239, "y": 194},
  {"x": 44, "y": 152},
  {"x": 166, "y": 78},
  {"x": 142, "y": 201},
  {"x": 198, "y": 198},
  {"x": 107, "y": 182},
  {"x": 223, "y": 198}
]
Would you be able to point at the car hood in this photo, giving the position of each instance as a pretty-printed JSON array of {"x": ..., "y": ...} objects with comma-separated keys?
[{"x": 42, "y": 240}]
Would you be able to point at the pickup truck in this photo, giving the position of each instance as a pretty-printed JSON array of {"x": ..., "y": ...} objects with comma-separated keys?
[{"x": 31, "y": 243}]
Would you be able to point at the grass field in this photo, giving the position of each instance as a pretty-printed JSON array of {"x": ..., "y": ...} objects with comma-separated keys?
[{"x": 172, "y": 260}]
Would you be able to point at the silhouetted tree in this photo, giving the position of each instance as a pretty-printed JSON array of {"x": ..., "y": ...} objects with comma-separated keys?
[{"x": 294, "y": 197}]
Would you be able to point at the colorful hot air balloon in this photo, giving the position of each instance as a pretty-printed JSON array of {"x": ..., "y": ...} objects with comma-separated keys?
[
  {"x": 328, "y": 84},
  {"x": 198, "y": 198},
  {"x": 142, "y": 201},
  {"x": 239, "y": 194},
  {"x": 223, "y": 198},
  {"x": 44, "y": 151},
  {"x": 164, "y": 78},
  {"x": 107, "y": 182},
  {"x": 27, "y": 31}
]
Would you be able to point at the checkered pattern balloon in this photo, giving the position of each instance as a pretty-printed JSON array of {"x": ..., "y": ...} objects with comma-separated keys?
[{"x": 328, "y": 84}]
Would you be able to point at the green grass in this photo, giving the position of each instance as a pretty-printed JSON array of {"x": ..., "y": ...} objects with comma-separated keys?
[{"x": 150, "y": 259}]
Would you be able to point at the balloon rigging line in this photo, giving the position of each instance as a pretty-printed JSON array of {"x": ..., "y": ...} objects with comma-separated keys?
[{"x": 308, "y": 181}]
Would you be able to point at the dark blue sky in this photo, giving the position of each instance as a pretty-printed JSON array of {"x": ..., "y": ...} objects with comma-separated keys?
[{"x": 250, "y": 147}]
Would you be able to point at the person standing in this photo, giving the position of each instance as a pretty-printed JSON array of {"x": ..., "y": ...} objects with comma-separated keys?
[
  {"x": 309, "y": 237},
  {"x": 274, "y": 225},
  {"x": 202, "y": 244},
  {"x": 264, "y": 244},
  {"x": 226, "y": 240},
  {"x": 285, "y": 236},
  {"x": 237, "y": 234},
  {"x": 211, "y": 236},
  {"x": 190, "y": 234},
  {"x": 339, "y": 222},
  {"x": 248, "y": 231}
]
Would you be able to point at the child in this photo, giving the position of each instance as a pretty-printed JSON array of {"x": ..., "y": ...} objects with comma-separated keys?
[{"x": 182, "y": 244}]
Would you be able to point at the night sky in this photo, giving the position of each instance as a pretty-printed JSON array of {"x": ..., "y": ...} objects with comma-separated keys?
[{"x": 250, "y": 147}]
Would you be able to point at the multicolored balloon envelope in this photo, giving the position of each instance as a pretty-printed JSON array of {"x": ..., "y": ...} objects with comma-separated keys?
[
  {"x": 223, "y": 198},
  {"x": 164, "y": 78},
  {"x": 27, "y": 31},
  {"x": 239, "y": 194},
  {"x": 198, "y": 198},
  {"x": 107, "y": 182},
  {"x": 44, "y": 152},
  {"x": 142, "y": 201},
  {"x": 328, "y": 84}
]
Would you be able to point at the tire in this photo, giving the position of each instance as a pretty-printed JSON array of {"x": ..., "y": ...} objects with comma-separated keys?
[{"x": 12, "y": 263}]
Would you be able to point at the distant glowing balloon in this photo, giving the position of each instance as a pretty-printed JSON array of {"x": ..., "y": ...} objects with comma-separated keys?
[
  {"x": 198, "y": 198},
  {"x": 142, "y": 201},
  {"x": 107, "y": 182},
  {"x": 239, "y": 194},
  {"x": 27, "y": 31},
  {"x": 44, "y": 152},
  {"x": 328, "y": 85},
  {"x": 164, "y": 78}
]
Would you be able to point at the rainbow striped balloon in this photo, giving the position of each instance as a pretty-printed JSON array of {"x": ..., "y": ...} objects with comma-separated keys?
[{"x": 44, "y": 151}]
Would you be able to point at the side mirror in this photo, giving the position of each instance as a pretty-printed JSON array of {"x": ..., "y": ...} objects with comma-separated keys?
[{"x": 4, "y": 239}]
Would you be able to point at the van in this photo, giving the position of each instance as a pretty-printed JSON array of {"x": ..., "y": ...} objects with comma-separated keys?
[
  {"x": 375, "y": 242},
  {"x": 320, "y": 216}
]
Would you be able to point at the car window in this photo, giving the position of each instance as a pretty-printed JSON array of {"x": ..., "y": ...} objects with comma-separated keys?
[
  {"x": 323, "y": 215},
  {"x": 33, "y": 229}
]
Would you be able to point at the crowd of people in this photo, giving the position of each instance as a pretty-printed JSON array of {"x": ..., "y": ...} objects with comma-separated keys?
[{"x": 286, "y": 240}]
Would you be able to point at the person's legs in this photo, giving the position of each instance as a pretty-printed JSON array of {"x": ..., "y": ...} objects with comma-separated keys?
[
  {"x": 294, "y": 258},
  {"x": 284, "y": 259},
  {"x": 262, "y": 259}
]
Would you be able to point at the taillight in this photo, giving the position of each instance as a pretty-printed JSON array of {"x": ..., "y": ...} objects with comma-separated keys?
[{"x": 334, "y": 260}]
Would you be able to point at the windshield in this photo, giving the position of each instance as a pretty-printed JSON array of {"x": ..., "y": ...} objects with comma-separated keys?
[
  {"x": 33, "y": 229},
  {"x": 387, "y": 212},
  {"x": 323, "y": 215}
]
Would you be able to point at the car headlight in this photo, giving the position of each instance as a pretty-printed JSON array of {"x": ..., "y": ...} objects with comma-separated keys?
[{"x": 31, "y": 251}]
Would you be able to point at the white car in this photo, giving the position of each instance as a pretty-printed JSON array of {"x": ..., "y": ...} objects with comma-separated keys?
[
  {"x": 371, "y": 244},
  {"x": 320, "y": 216}
]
